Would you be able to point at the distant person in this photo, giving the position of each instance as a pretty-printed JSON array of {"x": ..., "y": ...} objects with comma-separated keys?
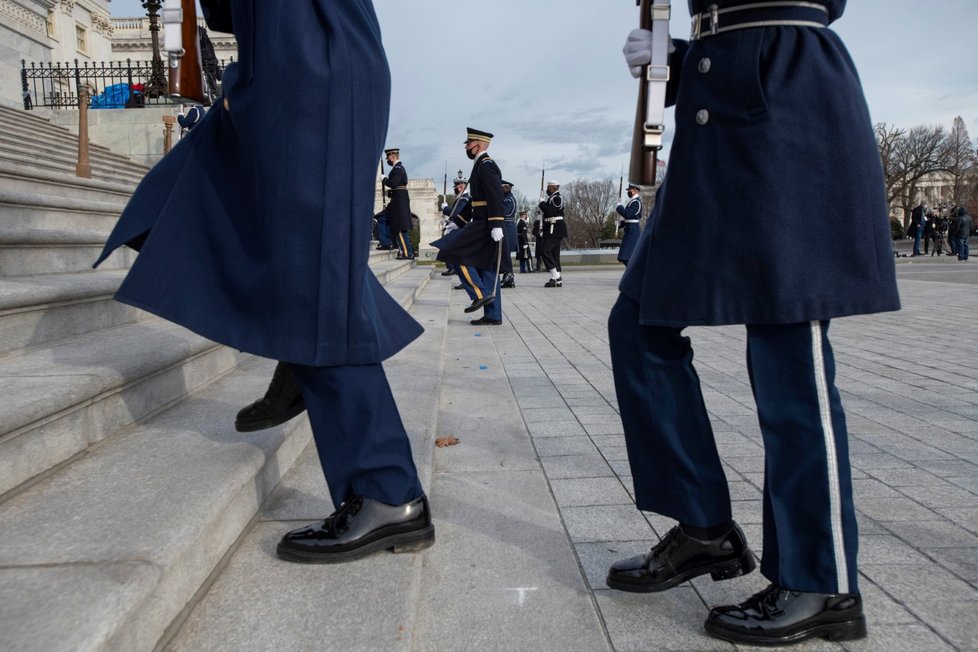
[
  {"x": 918, "y": 216},
  {"x": 523, "y": 244},
  {"x": 188, "y": 120},
  {"x": 964, "y": 229},
  {"x": 399, "y": 208},
  {"x": 553, "y": 230},
  {"x": 507, "y": 279},
  {"x": 750, "y": 138},
  {"x": 631, "y": 219}
]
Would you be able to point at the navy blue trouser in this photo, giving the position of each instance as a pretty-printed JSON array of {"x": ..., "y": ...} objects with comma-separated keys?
[
  {"x": 810, "y": 536},
  {"x": 361, "y": 441},
  {"x": 480, "y": 283},
  {"x": 384, "y": 231}
]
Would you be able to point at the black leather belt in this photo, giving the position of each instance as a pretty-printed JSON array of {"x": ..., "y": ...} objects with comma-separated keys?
[{"x": 717, "y": 20}]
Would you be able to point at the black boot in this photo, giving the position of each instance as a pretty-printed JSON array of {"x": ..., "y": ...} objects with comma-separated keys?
[
  {"x": 359, "y": 527},
  {"x": 282, "y": 401},
  {"x": 509, "y": 281}
]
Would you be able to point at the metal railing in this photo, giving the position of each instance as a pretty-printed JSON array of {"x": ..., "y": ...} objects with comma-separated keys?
[{"x": 113, "y": 84}]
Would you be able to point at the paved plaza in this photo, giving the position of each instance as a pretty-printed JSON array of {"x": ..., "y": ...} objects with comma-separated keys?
[{"x": 535, "y": 502}]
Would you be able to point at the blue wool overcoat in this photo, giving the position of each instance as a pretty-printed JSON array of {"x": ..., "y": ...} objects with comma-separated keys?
[
  {"x": 257, "y": 223},
  {"x": 773, "y": 208}
]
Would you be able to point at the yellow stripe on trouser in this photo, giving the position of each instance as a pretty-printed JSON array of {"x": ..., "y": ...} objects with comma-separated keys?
[
  {"x": 404, "y": 250},
  {"x": 465, "y": 273}
]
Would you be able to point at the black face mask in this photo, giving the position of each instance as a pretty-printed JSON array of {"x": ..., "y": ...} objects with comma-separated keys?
[{"x": 470, "y": 153}]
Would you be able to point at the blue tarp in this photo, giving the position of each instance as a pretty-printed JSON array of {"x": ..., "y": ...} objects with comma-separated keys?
[{"x": 113, "y": 97}]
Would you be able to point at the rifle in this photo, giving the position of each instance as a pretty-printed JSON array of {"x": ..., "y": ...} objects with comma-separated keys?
[
  {"x": 647, "y": 135},
  {"x": 383, "y": 193},
  {"x": 621, "y": 186},
  {"x": 444, "y": 184},
  {"x": 180, "y": 40}
]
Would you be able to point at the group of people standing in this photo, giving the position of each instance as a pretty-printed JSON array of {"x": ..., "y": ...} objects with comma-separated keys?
[{"x": 933, "y": 229}]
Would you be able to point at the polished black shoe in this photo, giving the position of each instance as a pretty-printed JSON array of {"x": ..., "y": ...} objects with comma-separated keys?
[
  {"x": 359, "y": 527},
  {"x": 400, "y": 257},
  {"x": 777, "y": 616},
  {"x": 458, "y": 287},
  {"x": 679, "y": 557},
  {"x": 385, "y": 248},
  {"x": 448, "y": 272},
  {"x": 485, "y": 321},
  {"x": 554, "y": 283},
  {"x": 282, "y": 401},
  {"x": 508, "y": 282},
  {"x": 479, "y": 303}
]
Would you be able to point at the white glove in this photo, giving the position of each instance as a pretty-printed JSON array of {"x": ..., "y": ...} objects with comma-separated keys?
[
  {"x": 444, "y": 205},
  {"x": 544, "y": 196},
  {"x": 638, "y": 50},
  {"x": 451, "y": 226},
  {"x": 497, "y": 234},
  {"x": 621, "y": 205}
]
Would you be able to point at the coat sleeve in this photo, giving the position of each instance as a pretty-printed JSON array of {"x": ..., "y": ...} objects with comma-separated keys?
[{"x": 217, "y": 14}]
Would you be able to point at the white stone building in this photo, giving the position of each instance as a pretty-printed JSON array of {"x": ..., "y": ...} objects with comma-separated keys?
[{"x": 49, "y": 31}]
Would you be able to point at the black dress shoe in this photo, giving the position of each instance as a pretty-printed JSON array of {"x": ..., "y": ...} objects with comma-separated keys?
[
  {"x": 282, "y": 401},
  {"x": 448, "y": 272},
  {"x": 777, "y": 616},
  {"x": 485, "y": 321},
  {"x": 359, "y": 527},
  {"x": 458, "y": 287},
  {"x": 679, "y": 557},
  {"x": 554, "y": 283},
  {"x": 384, "y": 248},
  {"x": 479, "y": 303}
]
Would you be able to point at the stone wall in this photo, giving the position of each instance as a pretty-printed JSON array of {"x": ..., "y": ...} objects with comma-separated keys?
[{"x": 136, "y": 133}]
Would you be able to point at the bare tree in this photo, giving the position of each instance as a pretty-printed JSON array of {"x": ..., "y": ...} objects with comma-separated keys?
[
  {"x": 588, "y": 205},
  {"x": 908, "y": 158},
  {"x": 961, "y": 162}
]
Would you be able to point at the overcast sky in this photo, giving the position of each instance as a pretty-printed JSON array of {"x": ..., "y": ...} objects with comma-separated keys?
[{"x": 548, "y": 77}]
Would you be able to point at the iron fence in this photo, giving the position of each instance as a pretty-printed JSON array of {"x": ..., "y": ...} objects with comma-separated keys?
[{"x": 113, "y": 84}]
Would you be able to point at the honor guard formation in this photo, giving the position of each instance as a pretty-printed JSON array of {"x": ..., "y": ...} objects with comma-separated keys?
[{"x": 272, "y": 287}]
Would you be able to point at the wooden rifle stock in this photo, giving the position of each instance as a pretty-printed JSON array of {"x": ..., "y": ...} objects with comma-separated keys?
[
  {"x": 186, "y": 70},
  {"x": 642, "y": 165}
]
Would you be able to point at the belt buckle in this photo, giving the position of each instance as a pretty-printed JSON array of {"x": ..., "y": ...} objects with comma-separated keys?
[{"x": 696, "y": 28}]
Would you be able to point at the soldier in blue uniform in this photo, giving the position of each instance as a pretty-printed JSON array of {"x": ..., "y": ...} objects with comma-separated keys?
[
  {"x": 456, "y": 215},
  {"x": 630, "y": 223},
  {"x": 476, "y": 251},
  {"x": 523, "y": 245},
  {"x": 507, "y": 279},
  {"x": 770, "y": 120},
  {"x": 252, "y": 233},
  {"x": 553, "y": 230},
  {"x": 399, "y": 209}
]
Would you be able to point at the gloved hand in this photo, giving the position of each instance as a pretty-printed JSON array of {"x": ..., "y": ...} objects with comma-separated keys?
[
  {"x": 444, "y": 205},
  {"x": 544, "y": 196},
  {"x": 451, "y": 226},
  {"x": 496, "y": 234},
  {"x": 638, "y": 50}
]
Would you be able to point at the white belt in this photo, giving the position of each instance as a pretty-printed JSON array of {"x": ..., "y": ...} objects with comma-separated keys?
[
  {"x": 631, "y": 221},
  {"x": 551, "y": 220}
]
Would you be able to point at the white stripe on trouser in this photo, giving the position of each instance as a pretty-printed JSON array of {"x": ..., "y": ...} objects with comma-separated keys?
[{"x": 832, "y": 463}]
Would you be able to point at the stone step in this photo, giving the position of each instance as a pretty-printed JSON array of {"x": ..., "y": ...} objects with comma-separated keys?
[
  {"x": 41, "y": 309},
  {"x": 61, "y": 400},
  {"x": 108, "y": 550},
  {"x": 51, "y": 413},
  {"x": 33, "y": 165},
  {"x": 31, "y": 218},
  {"x": 65, "y": 161},
  {"x": 58, "y": 138},
  {"x": 25, "y": 179},
  {"x": 29, "y": 259}
]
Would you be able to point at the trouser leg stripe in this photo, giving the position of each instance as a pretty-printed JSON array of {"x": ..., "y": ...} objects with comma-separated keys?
[
  {"x": 468, "y": 279},
  {"x": 835, "y": 500}
]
